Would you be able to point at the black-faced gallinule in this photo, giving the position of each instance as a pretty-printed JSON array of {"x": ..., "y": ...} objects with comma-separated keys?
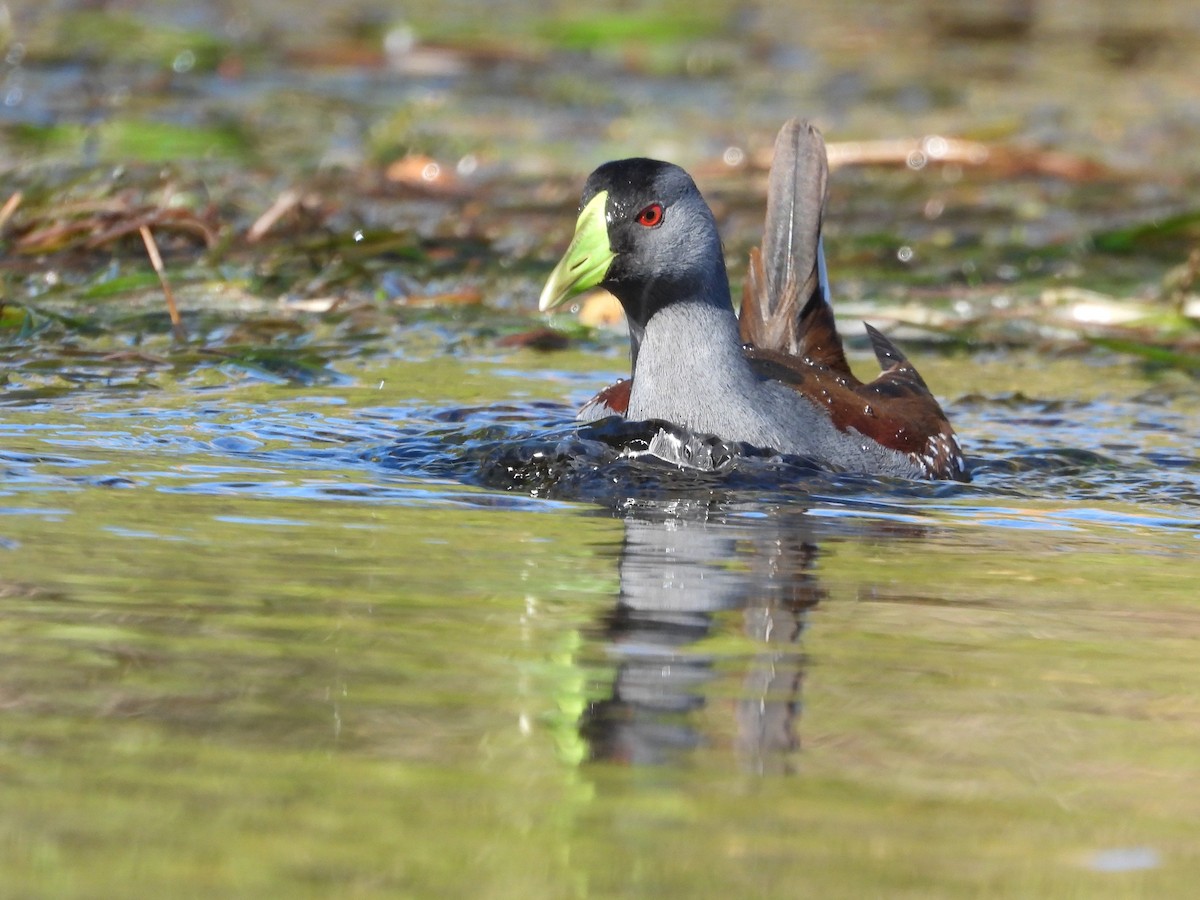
[{"x": 778, "y": 377}]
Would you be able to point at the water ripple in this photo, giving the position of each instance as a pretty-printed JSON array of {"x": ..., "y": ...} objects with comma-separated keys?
[{"x": 1125, "y": 466}]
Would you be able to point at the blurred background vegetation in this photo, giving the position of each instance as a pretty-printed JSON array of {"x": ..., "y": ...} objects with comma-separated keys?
[{"x": 318, "y": 178}]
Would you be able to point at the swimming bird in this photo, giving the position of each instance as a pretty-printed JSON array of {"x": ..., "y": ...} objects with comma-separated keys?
[{"x": 775, "y": 377}]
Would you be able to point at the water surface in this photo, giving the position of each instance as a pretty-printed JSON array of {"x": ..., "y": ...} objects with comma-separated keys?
[{"x": 252, "y": 646}]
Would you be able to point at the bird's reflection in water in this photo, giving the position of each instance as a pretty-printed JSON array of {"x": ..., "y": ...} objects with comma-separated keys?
[{"x": 683, "y": 564}]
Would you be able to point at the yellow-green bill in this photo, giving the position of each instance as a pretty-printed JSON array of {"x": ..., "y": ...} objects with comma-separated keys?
[{"x": 586, "y": 261}]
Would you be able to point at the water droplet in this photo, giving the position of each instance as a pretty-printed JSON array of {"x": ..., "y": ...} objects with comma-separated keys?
[
  {"x": 399, "y": 41},
  {"x": 467, "y": 165},
  {"x": 185, "y": 61},
  {"x": 935, "y": 146}
]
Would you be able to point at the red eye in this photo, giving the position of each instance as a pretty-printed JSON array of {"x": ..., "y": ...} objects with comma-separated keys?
[{"x": 651, "y": 215}]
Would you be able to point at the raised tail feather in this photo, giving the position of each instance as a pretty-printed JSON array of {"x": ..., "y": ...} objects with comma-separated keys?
[{"x": 785, "y": 304}]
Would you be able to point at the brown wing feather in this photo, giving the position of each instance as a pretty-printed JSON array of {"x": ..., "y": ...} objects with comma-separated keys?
[
  {"x": 612, "y": 401},
  {"x": 896, "y": 410},
  {"x": 820, "y": 341},
  {"x": 755, "y": 302}
]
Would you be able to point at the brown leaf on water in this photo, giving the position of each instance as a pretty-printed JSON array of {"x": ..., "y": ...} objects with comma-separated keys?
[
  {"x": 423, "y": 173},
  {"x": 536, "y": 339},
  {"x": 464, "y": 297}
]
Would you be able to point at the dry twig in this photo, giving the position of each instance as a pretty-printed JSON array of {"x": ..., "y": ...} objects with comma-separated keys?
[
  {"x": 105, "y": 224},
  {"x": 284, "y": 203},
  {"x": 156, "y": 261},
  {"x": 10, "y": 207},
  {"x": 916, "y": 153}
]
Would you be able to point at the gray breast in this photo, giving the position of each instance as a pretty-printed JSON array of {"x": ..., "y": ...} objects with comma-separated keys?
[{"x": 691, "y": 371}]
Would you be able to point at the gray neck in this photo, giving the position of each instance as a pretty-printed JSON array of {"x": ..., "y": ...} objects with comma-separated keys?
[{"x": 689, "y": 366}]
